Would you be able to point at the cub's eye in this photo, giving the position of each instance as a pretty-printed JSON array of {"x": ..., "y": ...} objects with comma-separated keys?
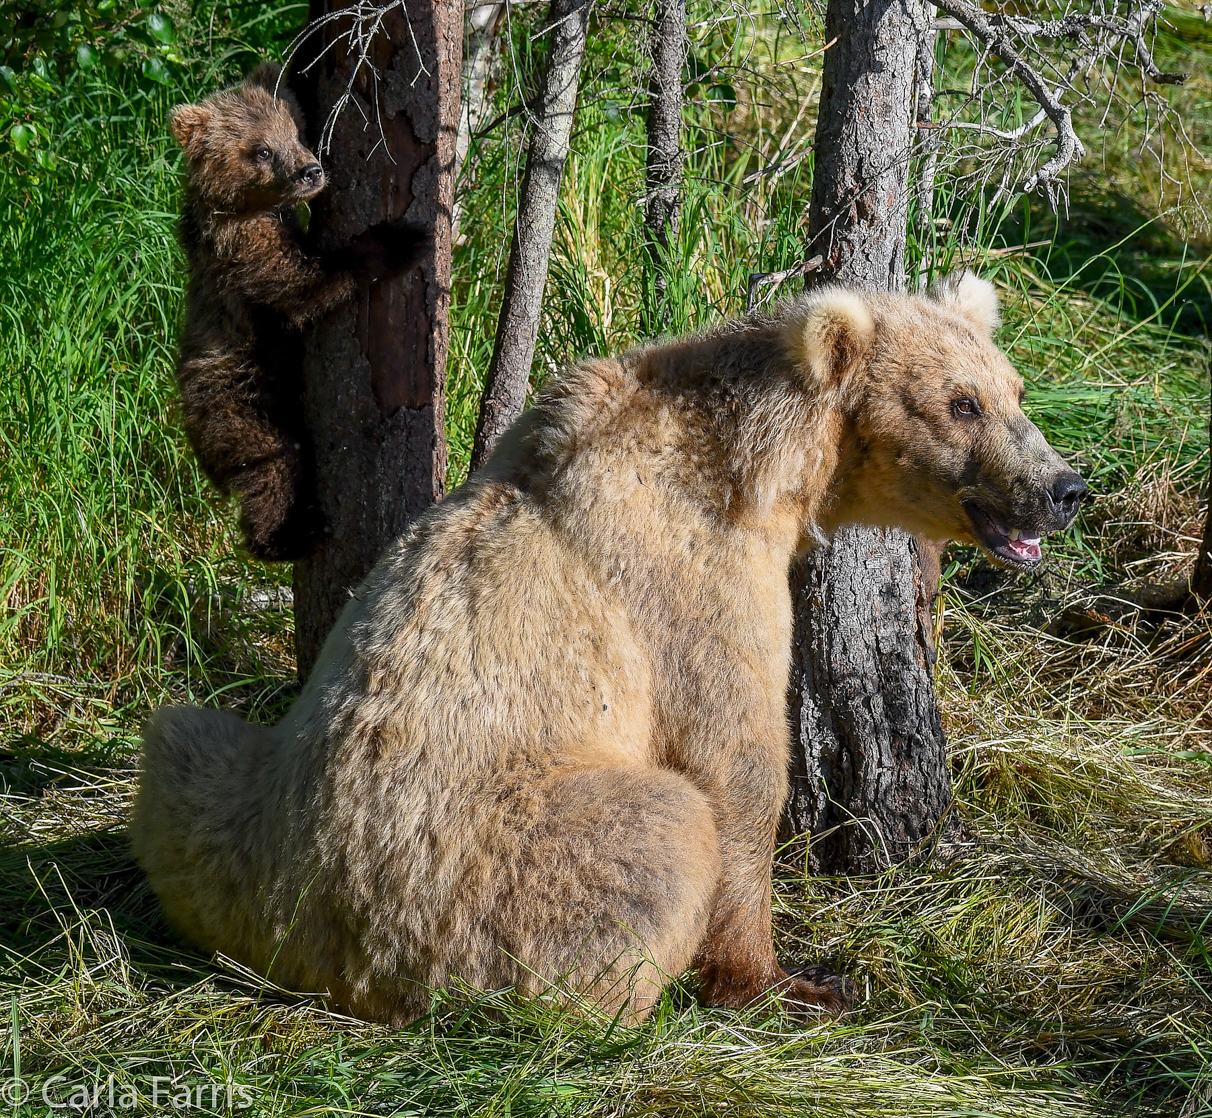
[
  {"x": 263, "y": 155},
  {"x": 965, "y": 407}
]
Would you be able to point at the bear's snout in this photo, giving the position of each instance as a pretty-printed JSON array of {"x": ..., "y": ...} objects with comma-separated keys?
[{"x": 1065, "y": 497}]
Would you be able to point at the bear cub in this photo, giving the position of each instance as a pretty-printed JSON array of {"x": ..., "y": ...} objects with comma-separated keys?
[{"x": 253, "y": 285}]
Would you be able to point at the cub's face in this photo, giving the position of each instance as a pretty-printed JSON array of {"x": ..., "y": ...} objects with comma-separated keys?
[
  {"x": 244, "y": 148},
  {"x": 937, "y": 442}
]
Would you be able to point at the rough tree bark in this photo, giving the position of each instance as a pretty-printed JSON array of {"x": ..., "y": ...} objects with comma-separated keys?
[
  {"x": 663, "y": 182},
  {"x": 522, "y": 309},
  {"x": 375, "y": 371},
  {"x": 870, "y": 780}
]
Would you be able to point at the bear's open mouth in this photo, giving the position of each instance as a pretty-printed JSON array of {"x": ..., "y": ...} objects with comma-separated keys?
[{"x": 1014, "y": 545}]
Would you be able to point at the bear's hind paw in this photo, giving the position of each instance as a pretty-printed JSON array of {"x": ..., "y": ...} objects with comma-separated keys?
[{"x": 814, "y": 992}]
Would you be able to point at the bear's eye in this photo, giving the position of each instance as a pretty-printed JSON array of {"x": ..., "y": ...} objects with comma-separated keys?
[
  {"x": 965, "y": 407},
  {"x": 263, "y": 155}
]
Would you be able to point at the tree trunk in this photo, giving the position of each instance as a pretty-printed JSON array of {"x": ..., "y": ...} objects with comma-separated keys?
[
  {"x": 1201, "y": 580},
  {"x": 870, "y": 780},
  {"x": 482, "y": 49},
  {"x": 522, "y": 309},
  {"x": 926, "y": 144},
  {"x": 375, "y": 371},
  {"x": 663, "y": 181}
]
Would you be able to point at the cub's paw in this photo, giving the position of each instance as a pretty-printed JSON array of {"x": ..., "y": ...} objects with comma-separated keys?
[
  {"x": 814, "y": 992},
  {"x": 389, "y": 248},
  {"x": 294, "y": 538}
]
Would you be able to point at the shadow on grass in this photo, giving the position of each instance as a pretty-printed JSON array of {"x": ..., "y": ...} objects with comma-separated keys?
[
  {"x": 1118, "y": 251},
  {"x": 87, "y": 952}
]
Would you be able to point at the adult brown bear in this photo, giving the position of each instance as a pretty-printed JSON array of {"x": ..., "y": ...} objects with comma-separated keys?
[{"x": 545, "y": 745}]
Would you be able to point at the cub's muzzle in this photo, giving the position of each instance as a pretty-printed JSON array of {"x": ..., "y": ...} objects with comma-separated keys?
[{"x": 308, "y": 181}]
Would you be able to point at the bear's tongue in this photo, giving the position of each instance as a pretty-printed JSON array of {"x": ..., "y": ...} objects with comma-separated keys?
[{"x": 1023, "y": 546}]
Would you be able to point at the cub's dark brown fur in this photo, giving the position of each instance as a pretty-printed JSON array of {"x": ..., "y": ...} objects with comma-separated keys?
[{"x": 253, "y": 286}]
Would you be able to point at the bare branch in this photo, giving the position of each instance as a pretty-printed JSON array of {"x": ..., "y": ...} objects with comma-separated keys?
[
  {"x": 1061, "y": 62},
  {"x": 1144, "y": 55},
  {"x": 1069, "y": 149},
  {"x": 774, "y": 280}
]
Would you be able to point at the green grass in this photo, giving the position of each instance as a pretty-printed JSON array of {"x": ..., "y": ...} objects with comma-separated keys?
[{"x": 1058, "y": 967}]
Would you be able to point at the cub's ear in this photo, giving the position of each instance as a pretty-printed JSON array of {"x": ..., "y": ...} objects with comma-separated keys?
[
  {"x": 188, "y": 124},
  {"x": 970, "y": 297},
  {"x": 266, "y": 75},
  {"x": 829, "y": 332}
]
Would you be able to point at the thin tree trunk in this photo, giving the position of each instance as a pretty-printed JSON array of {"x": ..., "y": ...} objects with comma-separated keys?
[
  {"x": 870, "y": 780},
  {"x": 929, "y": 552},
  {"x": 663, "y": 181},
  {"x": 1201, "y": 580},
  {"x": 926, "y": 143},
  {"x": 522, "y": 309},
  {"x": 479, "y": 61},
  {"x": 375, "y": 371}
]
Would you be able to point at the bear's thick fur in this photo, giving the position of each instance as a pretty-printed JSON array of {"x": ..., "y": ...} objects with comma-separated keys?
[
  {"x": 253, "y": 286},
  {"x": 546, "y": 744}
]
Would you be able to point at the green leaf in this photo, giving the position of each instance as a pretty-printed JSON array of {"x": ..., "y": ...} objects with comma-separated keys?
[
  {"x": 46, "y": 160},
  {"x": 21, "y": 135},
  {"x": 613, "y": 113},
  {"x": 161, "y": 27},
  {"x": 86, "y": 57},
  {"x": 106, "y": 5},
  {"x": 8, "y": 79},
  {"x": 41, "y": 68},
  {"x": 723, "y": 95},
  {"x": 156, "y": 70},
  {"x": 114, "y": 57}
]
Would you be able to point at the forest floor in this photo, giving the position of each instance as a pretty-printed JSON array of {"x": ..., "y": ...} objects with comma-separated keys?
[{"x": 1056, "y": 966}]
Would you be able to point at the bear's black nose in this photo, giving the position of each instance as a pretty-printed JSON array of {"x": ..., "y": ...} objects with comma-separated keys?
[
  {"x": 1066, "y": 495},
  {"x": 311, "y": 174}
]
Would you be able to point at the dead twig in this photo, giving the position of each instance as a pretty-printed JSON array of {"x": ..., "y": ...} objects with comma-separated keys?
[{"x": 774, "y": 280}]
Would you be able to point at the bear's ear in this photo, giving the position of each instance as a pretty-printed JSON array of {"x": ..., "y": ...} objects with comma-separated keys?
[
  {"x": 829, "y": 332},
  {"x": 266, "y": 75},
  {"x": 970, "y": 297},
  {"x": 188, "y": 124}
]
